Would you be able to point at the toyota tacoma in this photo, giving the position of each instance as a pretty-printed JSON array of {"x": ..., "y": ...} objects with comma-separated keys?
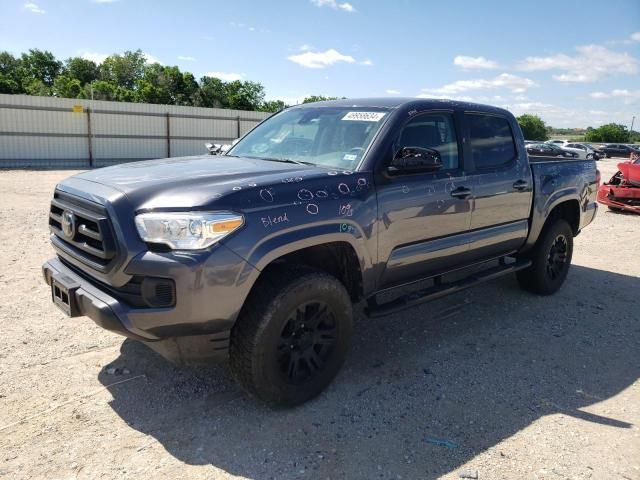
[{"x": 257, "y": 255}]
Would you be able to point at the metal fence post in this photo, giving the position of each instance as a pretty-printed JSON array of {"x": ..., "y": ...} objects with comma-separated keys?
[
  {"x": 238, "y": 126},
  {"x": 89, "y": 135},
  {"x": 168, "y": 135}
]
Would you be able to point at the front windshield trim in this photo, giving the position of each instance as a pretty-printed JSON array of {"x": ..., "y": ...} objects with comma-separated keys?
[{"x": 368, "y": 140}]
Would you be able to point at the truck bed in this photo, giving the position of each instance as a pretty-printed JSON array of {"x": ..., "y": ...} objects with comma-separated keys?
[{"x": 559, "y": 179}]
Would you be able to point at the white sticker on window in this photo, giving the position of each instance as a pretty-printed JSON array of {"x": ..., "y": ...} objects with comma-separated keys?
[
  {"x": 364, "y": 116},
  {"x": 349, "y": 157}
]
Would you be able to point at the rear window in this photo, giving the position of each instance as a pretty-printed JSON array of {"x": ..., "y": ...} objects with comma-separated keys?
[{"x": 492, "y": 143}]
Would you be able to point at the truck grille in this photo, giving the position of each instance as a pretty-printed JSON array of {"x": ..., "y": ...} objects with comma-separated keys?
[{"x": 82, "y": 230}]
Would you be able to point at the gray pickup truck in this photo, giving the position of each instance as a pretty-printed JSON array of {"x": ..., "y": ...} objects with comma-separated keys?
[{"x": 258, "y": 255}]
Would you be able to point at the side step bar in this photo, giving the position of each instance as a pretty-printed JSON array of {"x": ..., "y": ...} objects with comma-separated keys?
[{"x": 439, "y": 289}]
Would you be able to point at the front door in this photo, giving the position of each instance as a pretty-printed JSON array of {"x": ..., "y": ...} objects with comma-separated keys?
[{"x": 424, "y": 217}]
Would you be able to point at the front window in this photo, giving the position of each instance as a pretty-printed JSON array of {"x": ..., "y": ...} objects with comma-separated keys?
[
  {"x": 334, "y": 137},
  {"x": 434, "y": 131}
]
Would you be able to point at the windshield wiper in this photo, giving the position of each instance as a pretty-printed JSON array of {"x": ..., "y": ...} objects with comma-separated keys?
[
  {"x": 283, "y": 160},
  {"x": 288, "y": 160}
]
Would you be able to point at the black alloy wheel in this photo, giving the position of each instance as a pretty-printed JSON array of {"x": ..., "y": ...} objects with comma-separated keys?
[
  {"x": 306, "y": 342},
  {"x": 557, "y": 258}
]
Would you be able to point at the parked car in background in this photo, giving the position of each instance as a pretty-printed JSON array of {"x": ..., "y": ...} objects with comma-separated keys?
[
  {"x": 549, "y": 150},
  {"x": 583, "y": 150},
  {"x": 596, "y": 146},
  {"x": 560, "y": 143},
  {"x": 617, "y": 150}
]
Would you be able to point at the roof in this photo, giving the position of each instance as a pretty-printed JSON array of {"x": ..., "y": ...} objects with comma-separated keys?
[{"x": 392, "y": 103}]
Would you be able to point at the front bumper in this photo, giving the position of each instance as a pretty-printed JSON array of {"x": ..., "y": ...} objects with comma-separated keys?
[
  {"x": 210, "y": 291},
  {"x": 92, "y": 302},
  {"x": 625, "y": 197}
]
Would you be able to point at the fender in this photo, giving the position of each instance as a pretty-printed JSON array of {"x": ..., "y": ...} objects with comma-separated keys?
[
  {"x": 543, "y": 205},
  {"x": 277, "y": 245}
]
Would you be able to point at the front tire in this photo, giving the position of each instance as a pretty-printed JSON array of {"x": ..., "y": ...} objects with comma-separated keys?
[
  {"x": 292, "y": 336},
  {"x": 551, "y": 259}
]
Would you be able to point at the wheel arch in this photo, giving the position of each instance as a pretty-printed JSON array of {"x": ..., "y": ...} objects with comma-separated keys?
[
  {"x": 333, "y": 249},
  {"x": 337, "y": 258},
  {"x": 563, "y": 204},
  {"x": 568, "y": 210}
]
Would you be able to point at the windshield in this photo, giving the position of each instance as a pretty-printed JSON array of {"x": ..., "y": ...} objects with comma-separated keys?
[{"x": 326, "y": 136}]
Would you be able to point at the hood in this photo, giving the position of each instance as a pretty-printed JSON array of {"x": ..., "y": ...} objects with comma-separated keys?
[{"x": 195, "y": 182}]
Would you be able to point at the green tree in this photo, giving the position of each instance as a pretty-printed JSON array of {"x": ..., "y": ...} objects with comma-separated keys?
[
  {"x": 123, "y": 70},
  {"x": 81, "y": 69},
  {"x": 244, "y": 95},
  {"x": 211, "y": 93},
  {"x": 273, "y": 106},
  {"x": 9, "y": 64},
  {"x": 611, "y": 132},
  {"x": 533, "y": 128},
  {"x": 153, "y": 86},
  {"x": 241, "y": 95},
  {"x": 66, "y": 87},
  {"x": 189, "y": 88},
  {"x": 318, "y": 98},
  {"x": 8, "y": 85},
  {"x": 125, "y": 94},
  {"x": 100, "y": 90},
  {"x": 9, "y": 74},
  {"x": 127, "y": 77},
  {"x": 167, "y": 85},
  {"x": 40, "y": 66},
  {"x": 36, "y": 87}
]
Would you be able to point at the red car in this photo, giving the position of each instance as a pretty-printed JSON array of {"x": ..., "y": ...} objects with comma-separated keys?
[{"x": 623, "y": 190}]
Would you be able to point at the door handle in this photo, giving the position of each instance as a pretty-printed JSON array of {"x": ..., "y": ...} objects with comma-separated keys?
[
  {"x": 461, "y": 193},
  {"x": 521, "y": 185}
]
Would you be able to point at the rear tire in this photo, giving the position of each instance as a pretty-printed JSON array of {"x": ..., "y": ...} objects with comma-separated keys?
[
  {"x": 292, "y": 336},
  {"x": 551, "y": 259}
]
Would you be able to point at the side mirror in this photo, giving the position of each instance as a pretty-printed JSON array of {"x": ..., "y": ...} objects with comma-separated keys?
[
  {"x": 415, "y": 160},
  {"x": 217, "y": 149}
]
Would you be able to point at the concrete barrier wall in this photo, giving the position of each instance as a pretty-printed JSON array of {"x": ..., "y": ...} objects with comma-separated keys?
[{"x": 46, "y": 132}]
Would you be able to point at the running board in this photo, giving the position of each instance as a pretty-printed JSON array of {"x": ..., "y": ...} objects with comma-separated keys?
[{"x": 439, "y": 289}]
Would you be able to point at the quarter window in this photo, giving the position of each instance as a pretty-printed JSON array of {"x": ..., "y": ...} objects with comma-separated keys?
[
  {"x": 435, "y": 131},
  {"x": 492, "y": 143}
]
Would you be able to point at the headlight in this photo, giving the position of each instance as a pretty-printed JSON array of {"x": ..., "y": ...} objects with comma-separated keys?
[{"x": 188, "y": 230}]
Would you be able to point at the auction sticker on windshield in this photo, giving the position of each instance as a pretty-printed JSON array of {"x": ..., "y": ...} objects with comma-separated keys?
[{"x": 364, "y": 116}]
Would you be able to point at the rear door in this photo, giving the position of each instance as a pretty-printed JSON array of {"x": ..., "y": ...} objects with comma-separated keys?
[
  {"x": 424, "y": 217},
  {"x": 502, "y": 185}
]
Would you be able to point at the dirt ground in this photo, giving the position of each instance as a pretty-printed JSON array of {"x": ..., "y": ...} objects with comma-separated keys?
[{"x": 493, "y": 381}]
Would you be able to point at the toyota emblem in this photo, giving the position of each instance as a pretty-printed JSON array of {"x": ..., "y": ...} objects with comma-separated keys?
[{"x": 68, "y": 224}]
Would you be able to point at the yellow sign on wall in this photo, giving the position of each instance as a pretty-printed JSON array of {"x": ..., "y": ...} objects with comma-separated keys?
[{"x": 77, "y": 109}]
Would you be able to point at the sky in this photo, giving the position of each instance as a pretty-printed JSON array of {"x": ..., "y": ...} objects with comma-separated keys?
[{"x": 574, "y": 63}]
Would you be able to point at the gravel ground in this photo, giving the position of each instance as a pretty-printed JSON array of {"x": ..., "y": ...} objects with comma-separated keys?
[{"x": 492, "y": 382}]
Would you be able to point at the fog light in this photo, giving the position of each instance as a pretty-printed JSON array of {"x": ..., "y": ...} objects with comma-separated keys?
[{"x": 159, "y": 292}]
